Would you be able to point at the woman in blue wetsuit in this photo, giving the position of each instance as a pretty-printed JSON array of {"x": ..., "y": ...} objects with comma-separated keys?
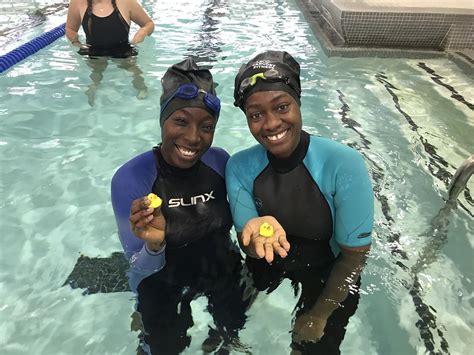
[
  {"x": 184, "y": 250},
  {"x": 317, "y": 195},
  {"x": 106, "y": 24}
]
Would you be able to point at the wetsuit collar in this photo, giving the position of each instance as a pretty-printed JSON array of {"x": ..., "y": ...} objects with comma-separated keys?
[{"x": 283, "y": 165}]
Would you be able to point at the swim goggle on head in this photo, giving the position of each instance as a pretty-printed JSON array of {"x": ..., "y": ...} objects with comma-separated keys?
[
  {"x": 190, "y": 91},
  {"x": 271, "y": 75}
]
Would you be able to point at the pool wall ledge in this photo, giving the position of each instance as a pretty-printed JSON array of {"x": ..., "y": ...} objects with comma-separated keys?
[{"x": 377, "y": 28}]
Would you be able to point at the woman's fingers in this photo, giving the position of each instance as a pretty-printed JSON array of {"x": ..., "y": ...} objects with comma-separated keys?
[
  {"x": 143, "y": 222},
  {"x": 279, "y": 250},
  {"x": 139, "y": 204},
  {"x": 247, "y": 234},
  {"x": 142, "y": 217},
  {"x": 264, "y": 248},
  {"x": 280, "y": 236},
  {"x": 259, "y": 249},
  {"x": 140, "y": 214},
  {"x": 269, "y": 252}
]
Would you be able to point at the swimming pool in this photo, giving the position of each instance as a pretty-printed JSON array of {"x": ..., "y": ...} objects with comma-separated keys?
[{"x": 411, "y": 119}]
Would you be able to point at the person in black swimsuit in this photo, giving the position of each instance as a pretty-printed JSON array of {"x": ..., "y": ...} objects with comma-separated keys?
[
  {"x": 184, "y": 251},
  {"x": 106, "y": 24}
]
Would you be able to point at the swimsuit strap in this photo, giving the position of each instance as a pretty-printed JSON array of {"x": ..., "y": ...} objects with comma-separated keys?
[
  {"x": 89, "y": 13},
  {"x": 114, "y": 4}
]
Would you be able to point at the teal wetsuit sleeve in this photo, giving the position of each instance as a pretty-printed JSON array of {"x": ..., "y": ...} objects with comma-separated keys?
[
  {"x": 353, "y": 202},
  {"x": 239, "y": 191}
]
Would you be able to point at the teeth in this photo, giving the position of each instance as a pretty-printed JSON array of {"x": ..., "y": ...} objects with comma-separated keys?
[
  {"x": 277, "y": 136},
  {"x": 187, "y": 152}
]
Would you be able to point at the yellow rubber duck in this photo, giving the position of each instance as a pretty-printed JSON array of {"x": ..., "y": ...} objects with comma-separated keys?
[
  {"x": 155, "y": 201},
  {"x": 266, "y": 230}
]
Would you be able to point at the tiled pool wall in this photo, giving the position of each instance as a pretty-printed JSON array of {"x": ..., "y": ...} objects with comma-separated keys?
[
  {"x": 417, "y": 30},
  {"x": 429, "y": 28}
]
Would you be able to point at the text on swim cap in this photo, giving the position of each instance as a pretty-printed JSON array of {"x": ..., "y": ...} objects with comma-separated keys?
[{"x": 263, "y": 64}]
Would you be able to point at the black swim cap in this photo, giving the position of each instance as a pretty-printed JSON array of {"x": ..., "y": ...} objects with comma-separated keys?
[
  {"x": 185, "y": 72},
  {"x": 287, "y": 67}
]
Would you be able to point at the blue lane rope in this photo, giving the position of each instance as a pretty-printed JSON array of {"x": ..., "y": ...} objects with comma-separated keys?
[{"x": 17, "y": 55}]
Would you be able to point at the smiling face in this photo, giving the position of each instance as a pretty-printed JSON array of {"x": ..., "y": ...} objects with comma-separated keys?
[
  {"x": 186, "y": 135},
  {"x": 274, "y": 119}
]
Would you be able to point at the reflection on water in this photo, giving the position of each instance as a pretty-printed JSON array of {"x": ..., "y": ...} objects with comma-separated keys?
[
  {"x": 207, "y": 42},
  {"x": 17, "y": 18}
]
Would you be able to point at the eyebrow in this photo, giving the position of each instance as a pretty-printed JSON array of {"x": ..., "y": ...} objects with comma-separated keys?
[
  {"x": 256, "y": 105},
  {"x": 189, "y": 114}
]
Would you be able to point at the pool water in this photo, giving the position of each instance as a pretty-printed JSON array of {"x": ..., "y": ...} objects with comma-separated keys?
[
  {"x": 23, "y": 20},
  {"x": 412, "y": 120}
]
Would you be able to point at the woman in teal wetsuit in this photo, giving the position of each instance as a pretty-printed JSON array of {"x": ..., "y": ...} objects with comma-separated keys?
[{"x": 317, "y": 195}]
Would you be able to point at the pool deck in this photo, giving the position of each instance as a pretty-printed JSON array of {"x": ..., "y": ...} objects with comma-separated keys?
[
  {"x": 418, "y": 6},
  {"x": 422, "y": 26}
]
